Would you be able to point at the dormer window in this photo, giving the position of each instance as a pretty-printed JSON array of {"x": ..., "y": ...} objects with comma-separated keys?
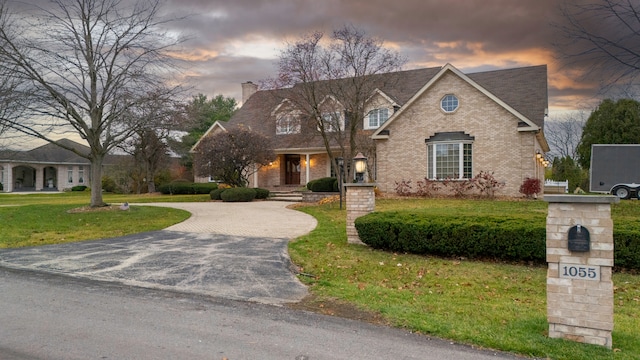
[
  {"x": 332, "y": 121},
  {"x": 377, "y": 117},
  {"x": 287, "y": 124},
  {"x": 449, "y": 103}
]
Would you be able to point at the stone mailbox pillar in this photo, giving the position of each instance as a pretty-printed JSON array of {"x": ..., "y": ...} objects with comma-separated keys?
[
  {"x": 580, "y": 258},
  {"x": 361, "y": 200}
]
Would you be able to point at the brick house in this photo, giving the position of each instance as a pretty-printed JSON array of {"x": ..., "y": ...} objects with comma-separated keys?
[{"x": 434, "y": 122}]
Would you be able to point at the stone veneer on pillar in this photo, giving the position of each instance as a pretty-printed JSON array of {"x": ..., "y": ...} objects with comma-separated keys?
[
  {"x": 580, "y": 258},
  {"x": 361, "y": 200}
]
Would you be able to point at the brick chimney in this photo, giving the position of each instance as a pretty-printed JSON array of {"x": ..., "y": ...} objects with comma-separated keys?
[{"x": 248, "y": 89}]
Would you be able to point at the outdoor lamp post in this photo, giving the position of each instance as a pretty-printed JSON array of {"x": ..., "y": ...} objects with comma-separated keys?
[{"x": 360, "y": 164}]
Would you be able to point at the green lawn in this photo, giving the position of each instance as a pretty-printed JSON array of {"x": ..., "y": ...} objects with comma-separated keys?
[
  {"x": 40, "y": 219},
  {"x": 493, "y": 305}
]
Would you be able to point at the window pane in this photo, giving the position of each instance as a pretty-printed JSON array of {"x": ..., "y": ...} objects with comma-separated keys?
[
  {"x": 377, "y": 117},
  {"x": 449, "y": 103},
  {"x": 384, "y": 115},
  {"x": 467, "y": 162},
  {"x": 430, "y": 162},
  {"x": 447, "y": 161},
  {"x": 373, "y": 119}
]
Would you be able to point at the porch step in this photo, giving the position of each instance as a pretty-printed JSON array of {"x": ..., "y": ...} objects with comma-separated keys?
[{"x": 285, "y": 195}]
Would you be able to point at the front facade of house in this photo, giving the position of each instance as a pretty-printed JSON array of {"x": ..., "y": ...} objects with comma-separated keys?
[
  {"x": 46, "y": 168},
  {"x": 455, "y": 128},
  {"x": 435, "y": 123}
]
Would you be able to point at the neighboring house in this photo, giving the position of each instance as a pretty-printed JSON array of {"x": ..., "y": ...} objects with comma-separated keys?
[
  {"x": 432, "y": 123},
  {"x": 45, "y": 168}
]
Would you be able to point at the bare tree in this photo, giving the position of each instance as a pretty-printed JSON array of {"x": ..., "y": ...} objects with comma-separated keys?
[
  {"x": 564, "y": 134},
  {"x": 157, "y": 118},
  {"x": 331, "y": 83},
  {"x": 81, "y": 66},
  {"x": 234, "y": 155},
  {"x": 602, "y": 38}
]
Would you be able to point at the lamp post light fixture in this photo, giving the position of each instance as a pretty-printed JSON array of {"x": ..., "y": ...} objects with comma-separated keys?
[{"x": 360, "y": 164}]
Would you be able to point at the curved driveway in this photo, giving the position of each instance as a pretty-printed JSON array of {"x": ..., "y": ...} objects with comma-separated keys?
[{"x": 231, "y": 250}]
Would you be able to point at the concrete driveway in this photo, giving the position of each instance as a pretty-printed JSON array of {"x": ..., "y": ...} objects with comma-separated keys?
[{"x": 231, "y": 250}]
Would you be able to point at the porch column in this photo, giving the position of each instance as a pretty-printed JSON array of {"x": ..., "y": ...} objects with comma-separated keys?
[
  {"x": 9, "y": 183},
  {"x": 39, "y": 178},
  {"x": 307, "y": 165},
  {"x": 255, "y": 177}
]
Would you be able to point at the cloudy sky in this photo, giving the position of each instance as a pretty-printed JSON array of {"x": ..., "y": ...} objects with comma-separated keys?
[{"x": 236, "y": 41}]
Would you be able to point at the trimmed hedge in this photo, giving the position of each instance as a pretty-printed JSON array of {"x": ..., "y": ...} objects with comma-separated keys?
[
  {"x": 79, "y": 188},
  {"x": 326, "y": 184},
  {"x": 476, "y": 237},
  {"x": 215, "y": 194},
  {"x": 262, "y": 193},
  {"x": 239, "y": 194},
  {"x": 187, "y": 188},
  {"x": 626, "y": 245},
  {"x": 472, "y": 237}
]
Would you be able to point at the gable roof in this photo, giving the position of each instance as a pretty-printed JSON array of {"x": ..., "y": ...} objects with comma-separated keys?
[
  {"x": 493, "y": 82},
  {"x": 210, "y": 130},
  {"x": 522, "y": 91},
  {"x": 50, "y": 153}
]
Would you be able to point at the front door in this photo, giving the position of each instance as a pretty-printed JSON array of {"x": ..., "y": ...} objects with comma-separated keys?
[{"x": 292, "y": 170}]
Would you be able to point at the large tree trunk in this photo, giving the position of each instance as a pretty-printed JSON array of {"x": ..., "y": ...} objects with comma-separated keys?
[{"x": 96, "y": 181}]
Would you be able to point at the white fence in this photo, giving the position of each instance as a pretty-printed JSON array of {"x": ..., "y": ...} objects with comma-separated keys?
[{"x": 552, "y": 185}]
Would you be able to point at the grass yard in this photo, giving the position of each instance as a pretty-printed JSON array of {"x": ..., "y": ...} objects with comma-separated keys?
[
  {"x": 41, "y": 219},
  {"x": 492, "y": 305}
]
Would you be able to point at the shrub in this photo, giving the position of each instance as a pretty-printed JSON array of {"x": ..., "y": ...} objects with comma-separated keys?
[
  {"x": 261, "y": 193},
  {"x": 108, "y": 184},
  {"x": 79, "y": 188},
  {"x": 180, "y": 187},
  {"x": 530, "y": 187},
  {"x": 459, "y": 188},
  {"x": 487, "y": 184},
  {"x": 204, "y": 188},
  {"x": 626, "y": 239},
  {"x": 480, "y": 237},
  {"x": 215, "y": 194},
  {"x": 403, "y": 188},
  {"x": 238, "y": 194},
  {"x": 326, "y": 184},
  {"x": 427, "y": 187},
  {"x": 513, "y": 239},
  {"x": 1, "y": 187}
]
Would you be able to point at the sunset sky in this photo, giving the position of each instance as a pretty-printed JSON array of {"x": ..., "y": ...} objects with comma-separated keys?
[{"x": 236, "y": 41}]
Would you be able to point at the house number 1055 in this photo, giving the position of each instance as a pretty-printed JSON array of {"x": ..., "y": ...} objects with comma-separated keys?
[{"x": 581, "y": 272}]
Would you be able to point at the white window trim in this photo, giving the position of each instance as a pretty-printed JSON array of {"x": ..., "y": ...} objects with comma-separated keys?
[
  {"x": 433, "y": 156},
  {"x": 367, "y": 120},
  {"x": 293, "y": 123},
  {"x": 70, "y": 175},
  {"x": 449, "y": 111},
  {"x": 329, "y": 125}
]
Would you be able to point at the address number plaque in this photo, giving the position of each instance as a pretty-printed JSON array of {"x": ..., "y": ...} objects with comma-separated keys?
[{"x": 579, "y": 272}]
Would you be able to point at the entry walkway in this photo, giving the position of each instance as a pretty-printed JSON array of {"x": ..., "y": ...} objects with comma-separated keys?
[{"x": 230, "y": 250}]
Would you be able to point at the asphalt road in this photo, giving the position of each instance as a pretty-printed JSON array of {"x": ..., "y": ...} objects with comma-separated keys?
[{"x": 48, "y": 316}]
